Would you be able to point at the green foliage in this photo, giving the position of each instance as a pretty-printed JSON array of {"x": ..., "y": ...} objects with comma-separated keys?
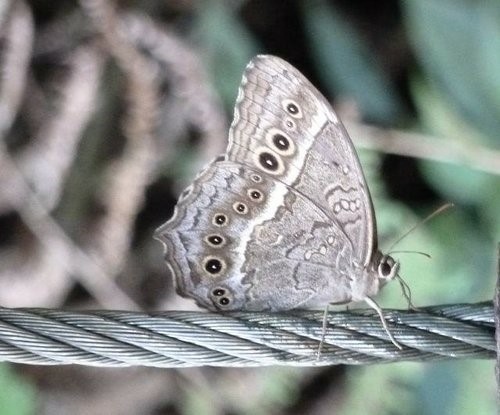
[
  {"x": 458, "y": 100},
  {"x": 272, "y": 388},
  {"x": 457, "y": 44},
  {"x": 345, "y": 63},
  {"x": 227, "y": 46},
  {"x": 17, "y": 397}
]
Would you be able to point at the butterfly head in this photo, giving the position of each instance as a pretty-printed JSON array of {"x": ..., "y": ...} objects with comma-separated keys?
[{"x": 386, "y": 267}]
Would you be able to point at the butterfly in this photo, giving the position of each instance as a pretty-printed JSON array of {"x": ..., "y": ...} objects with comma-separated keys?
[{"x": 283, "y": 219}]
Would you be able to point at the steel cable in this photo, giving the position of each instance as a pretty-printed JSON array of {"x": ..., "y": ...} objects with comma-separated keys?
[{"x": 187, "y": 338}]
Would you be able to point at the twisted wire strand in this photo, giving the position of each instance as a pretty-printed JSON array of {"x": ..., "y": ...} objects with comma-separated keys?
[{"x": 243, "y": 339}]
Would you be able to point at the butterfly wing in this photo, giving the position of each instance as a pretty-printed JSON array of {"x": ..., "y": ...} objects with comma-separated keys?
[
  {"x": 263, "y": 245},
  {"x": 285, "y": 128},
  {"x": 284, "y": 219}
]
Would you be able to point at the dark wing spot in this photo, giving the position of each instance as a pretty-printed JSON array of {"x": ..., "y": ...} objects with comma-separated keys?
[
  {"x": 219, "y": 292},
  {"x": 292, "y": 108},
  {"x": 220, "y": 219},
  {"x": 224, "y": 301},
  {"x": 215, "y": 240},
  {"x": 268, "y": 161},
  {"x": 281, "y": 142},
  {"x": 213, "y": 266},
  {"x": 255, "y": 194}
]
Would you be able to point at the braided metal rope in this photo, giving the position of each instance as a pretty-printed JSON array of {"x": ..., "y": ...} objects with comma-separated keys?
[{"x": 183, "y": 339}]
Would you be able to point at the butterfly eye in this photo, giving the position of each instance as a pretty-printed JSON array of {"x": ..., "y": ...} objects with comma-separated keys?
[{"x": 387, "y": 268}]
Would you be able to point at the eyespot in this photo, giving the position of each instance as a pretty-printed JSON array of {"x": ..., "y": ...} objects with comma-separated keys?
[
  {"x": 214, "y": 265},
  {"x": 215, "y": 241},
  {"x": 224, "y": 301},
  {"x": 240, "y": 208},
  {"x": 268, "y": 161},
  {"x": 280, "y": 142},
  {"x": 255, "y": 195},
  {"x": 256, "y": 178},
  {"x": 292, "y": 107},
  {"x": 218, "y": 292},
  {"x": 219, "y": 219},
  {"x": 290, "y": 124},
  {"x": 221, "y": 297}
]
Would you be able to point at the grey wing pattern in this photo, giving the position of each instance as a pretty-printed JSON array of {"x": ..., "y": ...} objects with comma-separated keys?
[
  {"x": 284, "y": 127},
  {"x": 278, "y": 252}
]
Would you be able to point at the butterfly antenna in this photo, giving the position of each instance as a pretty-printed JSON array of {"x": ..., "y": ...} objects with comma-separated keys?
[
  {"x": 437, "y": 212},
  {"x": 406, "y": 290},
  {"x": 425, "y": 254}
]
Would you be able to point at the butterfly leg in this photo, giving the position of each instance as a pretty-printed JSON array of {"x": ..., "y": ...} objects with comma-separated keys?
[
  {"x": 405, "y": 288},
  {"x": 380, "y": 313},
  {"x": 323, "y": 333}
]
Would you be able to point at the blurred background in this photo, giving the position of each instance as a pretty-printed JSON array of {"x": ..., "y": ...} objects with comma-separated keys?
[{"x": 109, "y": 108}]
